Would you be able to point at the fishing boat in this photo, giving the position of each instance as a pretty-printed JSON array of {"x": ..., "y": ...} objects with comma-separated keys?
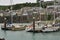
[
  {"x": 42, "y": 28},
  {"x": 10, "y": 25},
  {"x": 13, "y": 27},
  {"x": 38, "y": 28},
  {"x": 53, "y": 27}
]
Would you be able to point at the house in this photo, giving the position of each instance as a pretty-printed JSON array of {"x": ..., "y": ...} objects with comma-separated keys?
[
  {"x": 26, "y": 14},
  {"x": 53, "y": 9}
]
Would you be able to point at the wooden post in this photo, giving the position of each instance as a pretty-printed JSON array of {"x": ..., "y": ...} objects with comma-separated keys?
[
  {"x": 33, "y": 24},
  {"x": 5, "y": 23}
]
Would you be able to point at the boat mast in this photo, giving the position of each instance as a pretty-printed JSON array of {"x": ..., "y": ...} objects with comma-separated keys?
[
  {"x": 54, "y": 10},
  {"x": 40, "y": 7},
  {"x": 11, "y": 11}
]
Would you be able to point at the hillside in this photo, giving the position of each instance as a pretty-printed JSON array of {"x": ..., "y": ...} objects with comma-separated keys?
[{"x": 19, "y": 6}]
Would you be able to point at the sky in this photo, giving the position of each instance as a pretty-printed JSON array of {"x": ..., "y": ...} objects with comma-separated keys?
[
  {"x": 8, "y": 2},
  {"x": 47, "y": 0}
]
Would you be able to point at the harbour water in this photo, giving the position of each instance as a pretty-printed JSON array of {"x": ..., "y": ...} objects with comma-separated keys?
[{"x": 23, "y": 35}]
